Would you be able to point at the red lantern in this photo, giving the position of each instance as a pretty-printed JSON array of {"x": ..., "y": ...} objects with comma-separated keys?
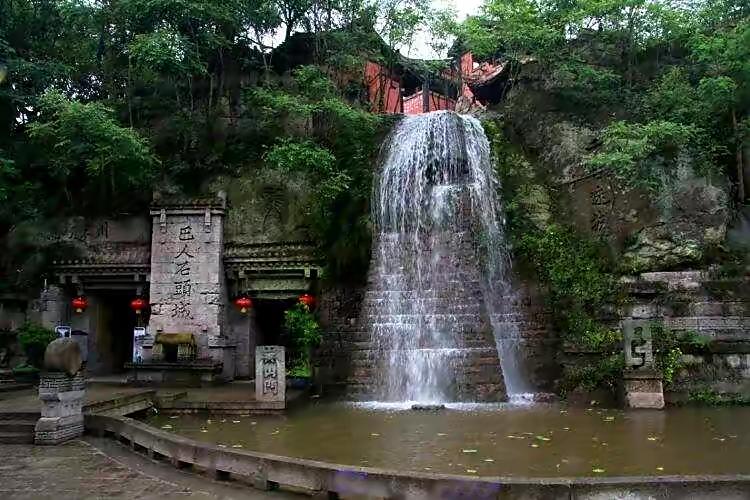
[
  {"x": 307, "y": 300},
  {"x": 80, "y": 304},
  {"x": 243, "y": 303},
  {"x": 138, "y": 305}
]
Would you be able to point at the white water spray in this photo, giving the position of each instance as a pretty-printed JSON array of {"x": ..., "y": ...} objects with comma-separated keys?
[{"x": 440, "y": 261}]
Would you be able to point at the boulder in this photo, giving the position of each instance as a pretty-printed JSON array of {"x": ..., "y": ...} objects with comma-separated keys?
[{"x": 63, "y": 355}]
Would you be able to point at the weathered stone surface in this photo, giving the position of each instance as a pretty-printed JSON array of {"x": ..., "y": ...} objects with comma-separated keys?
[
  {"x": 270, "y": 373},
  {"x": 63, "y": 355},
  {"x": 187, "y": 281},
  {"x": 62, "y": 398},
  {"x": 695, "y": 217}
]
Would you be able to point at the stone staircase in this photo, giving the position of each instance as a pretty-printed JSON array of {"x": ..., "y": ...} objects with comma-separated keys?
[
  {"x": 447, "y": 319},
  {"x": 18, "y": 427}
]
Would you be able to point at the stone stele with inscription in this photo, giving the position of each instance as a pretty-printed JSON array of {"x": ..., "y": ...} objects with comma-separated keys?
[{"x": 270, "y": 373}]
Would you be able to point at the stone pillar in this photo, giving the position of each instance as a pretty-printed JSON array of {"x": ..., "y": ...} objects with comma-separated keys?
[
  {"x": 50, "y": 308},
  {"x": 62, "y": 399},
  {"x": 270, "y": 373},
  {"x": 642, "y": 384},
  {"x": 187, "y": 287}
]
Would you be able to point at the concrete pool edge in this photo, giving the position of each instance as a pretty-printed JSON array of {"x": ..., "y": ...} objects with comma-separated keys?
[{"x": 269, "y": 471}]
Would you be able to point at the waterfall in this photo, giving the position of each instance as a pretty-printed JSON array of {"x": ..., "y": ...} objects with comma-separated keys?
[{"x": 440, "y": 273}]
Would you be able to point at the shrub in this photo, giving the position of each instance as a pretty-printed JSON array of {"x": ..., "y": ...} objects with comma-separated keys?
[
  {"x": 34, "y": 339},
  {"x": 305, "y": 332}
]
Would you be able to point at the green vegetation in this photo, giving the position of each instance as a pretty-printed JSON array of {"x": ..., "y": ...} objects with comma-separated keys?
[
  {"x": 665, "y": 86},
  {"x": 306, "y": 334},
  {"x": 670, "y": 345},
  {"x": 667, "y": 82},
  {"x": 34, "y": 339},
  {"x": 101, "y": 103}
]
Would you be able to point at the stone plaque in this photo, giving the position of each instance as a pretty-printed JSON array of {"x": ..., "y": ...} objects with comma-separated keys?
[
  {"x": 187, "y": 288},
  {"x": 639, "y": 353},
  {"x": 270, "y": 373}
]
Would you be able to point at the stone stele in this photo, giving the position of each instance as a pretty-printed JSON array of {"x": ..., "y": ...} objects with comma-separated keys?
[
  {"x": 270, "y": 373},
  {"x": 62, "y": 391}
]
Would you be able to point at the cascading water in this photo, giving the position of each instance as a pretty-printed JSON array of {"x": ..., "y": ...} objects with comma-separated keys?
[{"x": 440, "y": 266}]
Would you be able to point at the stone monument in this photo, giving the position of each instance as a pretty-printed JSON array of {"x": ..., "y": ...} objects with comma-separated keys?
[
  {"x": 270, "y": 373},
  {"x": 642, "y": 383},
  {"x": 62, "y": 390}
]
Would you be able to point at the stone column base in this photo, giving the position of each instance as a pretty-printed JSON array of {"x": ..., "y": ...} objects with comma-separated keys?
[
  {"x": 62, "y": 400},
  {"x": 643, "y": 390},
  {"x": 56, "y": 430}
]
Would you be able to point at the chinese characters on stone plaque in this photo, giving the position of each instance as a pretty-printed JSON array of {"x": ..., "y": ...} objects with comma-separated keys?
[
  {"x": 270, "y": 373},
  {"x": 181, "y": 279},
  {"x": 637, "y": 338}
]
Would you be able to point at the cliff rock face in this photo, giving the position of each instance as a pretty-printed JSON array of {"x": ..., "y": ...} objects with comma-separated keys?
[
  {"x": 647, "y": 231},
  {"x": 694, "y": 218}
]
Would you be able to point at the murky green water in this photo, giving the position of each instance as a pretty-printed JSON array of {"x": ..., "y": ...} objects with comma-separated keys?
[{"x": 493, "y": 440}]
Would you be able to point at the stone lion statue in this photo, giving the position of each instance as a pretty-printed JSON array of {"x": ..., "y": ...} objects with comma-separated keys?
[{"x": 63, "y": 355}]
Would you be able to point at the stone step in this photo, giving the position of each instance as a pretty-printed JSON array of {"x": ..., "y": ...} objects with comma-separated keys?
[
  {"x": 17, "y": 437},
  {"x": 20, "y": 415},
  {"x": 17, "y": 426}
]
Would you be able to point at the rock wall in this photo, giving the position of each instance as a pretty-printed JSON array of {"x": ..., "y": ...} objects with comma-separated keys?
[{"x": 713, "y": 307}]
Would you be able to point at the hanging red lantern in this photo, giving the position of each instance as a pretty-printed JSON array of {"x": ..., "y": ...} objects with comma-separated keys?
[
  {"x": 307, "y": 300},
  {"x": 243, "y": 303},
  {"x": 138, "y": 305},
  {"x": 80, "y": 304}
]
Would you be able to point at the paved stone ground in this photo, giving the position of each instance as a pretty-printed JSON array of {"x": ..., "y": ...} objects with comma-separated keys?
[
  {"x": 95, "y": 468},
  {"x": 28, "y": 399}
]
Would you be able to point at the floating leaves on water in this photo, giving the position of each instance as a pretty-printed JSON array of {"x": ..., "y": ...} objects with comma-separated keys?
[
  {"x": 471, "y": 471},
  {"x": 469, "y": 451},
  {"x": 166, "y": 426},
  {"x": 236, "y": 446},
  {"x": 652, "y": 438},
  {"x": 374, "y": 434},
  {"x": 597, "y": 470},
  {"x": 489, "y": 459}
]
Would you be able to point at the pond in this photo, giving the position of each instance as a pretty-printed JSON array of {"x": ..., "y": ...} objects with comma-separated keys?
[{"x": 491, "y": 440}]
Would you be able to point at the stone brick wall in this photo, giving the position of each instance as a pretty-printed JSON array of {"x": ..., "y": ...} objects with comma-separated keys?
[
  {"x": 713, "y": 307},
  {"x": 344, "y": 367}
]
